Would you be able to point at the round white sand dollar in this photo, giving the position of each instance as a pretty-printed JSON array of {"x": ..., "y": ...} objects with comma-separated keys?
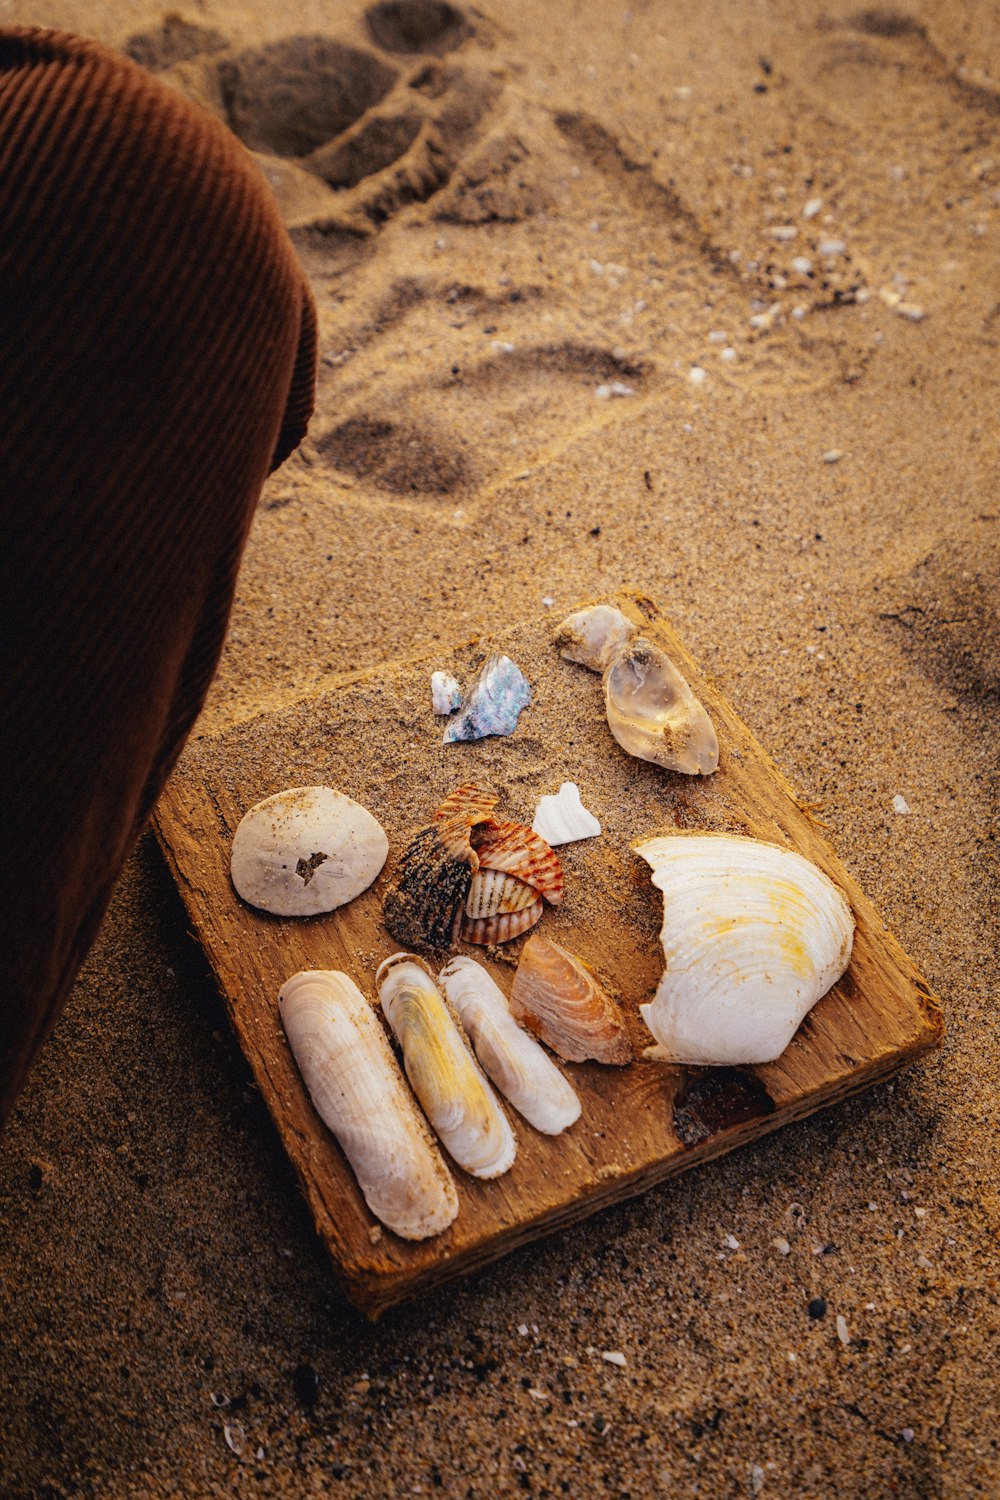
[{"x": 306, "y": 850}]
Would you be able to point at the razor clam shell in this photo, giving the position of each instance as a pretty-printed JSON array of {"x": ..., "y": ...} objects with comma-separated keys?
[
  {"x": 594, "y": 637},
  {"x": 495, "y": 703},
  {"x": 521, "y": 1070},
  {"x": 753, "y": 935},
  {"x": 306, "y": 850},
  {"x": 356, "y": 1086},
  {"x": 561, "y": 817},
  {"x": 454, "y": 1095},
  {"x": 654, "y": 715},
  {"x": 558, "y": 999}
]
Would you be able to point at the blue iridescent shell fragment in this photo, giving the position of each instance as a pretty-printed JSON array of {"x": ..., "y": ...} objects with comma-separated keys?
[{"x": 494, "y": 704}]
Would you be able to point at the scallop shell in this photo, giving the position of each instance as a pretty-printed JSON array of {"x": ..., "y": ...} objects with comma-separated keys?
[
  {"x": 427, "y": 899},
  {"x": 654, "y": 715},
  {"x": 454, "y": 1094},
  {"x": 562, "y": 818},
  {"x": 521, "y": 1070},
  {"x": 753, "y": 935},
  {"x": 558, "y": 999},
  {"x": 306, "y": 850},
  {"x": 353, "y": 1080},
  {"x": 495, "y": 703},
  {"x": 594, "y": 637},
  {"x": 517, "y": 871}
]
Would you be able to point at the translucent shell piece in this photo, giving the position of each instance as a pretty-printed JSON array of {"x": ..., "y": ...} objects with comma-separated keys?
[
  {"x": 521, "y": 1070},
  {"x": 753, "y": 935},
  {"x": 558, "y": 999},
  {"x": 495, "y": 703},
  {"x": 306, "y": 850},
  {"x": 653, "y": 713},
  {"x": 359, "y": 1092},
  {"x": 453, "y": 1092},
  {"x": 561, "y": 818},
  {"x": 594, "y": 637}
]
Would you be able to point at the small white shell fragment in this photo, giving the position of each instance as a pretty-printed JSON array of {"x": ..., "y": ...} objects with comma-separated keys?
[
  {"x": 831, "y": 247},
  {"x": 446, "y": 695},
  {"x": 697, "y": 375},
  {"x": 812, "y": 208},
  {"x": 753, "y": 935},
  {"x": 561, "y": 818},
  {"x": 519, "y": 1067},
  {"x": 843, "y": 1332},
  {"x": 833, "y": 455},
  {"x": 899, "y": 805},
  {"x": 614, "y": 1357},
  {"x": 612, "y": 389},
  {"x": 454, "y": 1094},
  {"x": 306, "y": 850},
  {"x": 654, "y": 715},
  {"x": 594, "y": 637},
  {"x": 495, "y": 703},
  {"x": 353, "y": 1080}
]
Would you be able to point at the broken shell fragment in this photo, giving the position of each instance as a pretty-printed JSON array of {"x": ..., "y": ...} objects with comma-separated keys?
[
  {"x": 594, "y": 637},
  {"x": 561, "y": 818},
  {"x": 558, "y": 999},
  {"x": 454, "y": 1094},
  {"x": 753, "y": 935},
  {"x": 446, "y": 695},
  {"x": 495, "y": 703},
  {"x": 306, "y": 850},
  {"x": 358, "y": 1090},
  {"x": 521, "y": 1070},
  {"x": 654, "y": 715}
]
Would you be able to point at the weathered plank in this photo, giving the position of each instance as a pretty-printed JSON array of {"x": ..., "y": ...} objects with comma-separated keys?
[{"x": 376, "y": 739}]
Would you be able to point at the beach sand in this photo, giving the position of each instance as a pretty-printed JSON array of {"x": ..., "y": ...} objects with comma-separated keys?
[{"x": 552, "y": 218}]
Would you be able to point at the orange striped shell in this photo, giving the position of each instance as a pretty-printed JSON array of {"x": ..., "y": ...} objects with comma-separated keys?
[{"x": 558, "y": 999}]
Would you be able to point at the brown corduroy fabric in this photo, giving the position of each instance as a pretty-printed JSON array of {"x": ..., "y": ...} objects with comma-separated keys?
[{"x": 157, "y": 360}]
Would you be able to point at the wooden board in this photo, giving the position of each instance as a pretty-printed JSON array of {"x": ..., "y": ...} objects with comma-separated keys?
[{"x": 377, "y": 739}]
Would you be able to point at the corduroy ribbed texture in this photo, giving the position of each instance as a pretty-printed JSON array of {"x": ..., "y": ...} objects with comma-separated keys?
[{"x": 157, "y": 360}]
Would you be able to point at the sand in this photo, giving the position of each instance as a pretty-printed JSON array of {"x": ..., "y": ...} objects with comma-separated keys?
[{"x": 592, "y": 206}]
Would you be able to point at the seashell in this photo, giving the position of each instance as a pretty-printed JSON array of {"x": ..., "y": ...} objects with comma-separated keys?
[
  {"x": 353, "y": 1080},
  {"x": 521, "y": 1070},
  {"x": 562, "y": 818},
  {"x": 753, "y": 935},
  {"x": 594, "y": 637},
  {"x": 653, "y": 713},
  {"x": 446, "y": 695},
  {"x": 495, "y": 703},
  {"x": 454, "y": 1094},
  {"x": 558, "y": 999},
  {"x": 517, "y": 871},
  {"x": 426, "y": 902},
  {"x": 306, "y": 850}
]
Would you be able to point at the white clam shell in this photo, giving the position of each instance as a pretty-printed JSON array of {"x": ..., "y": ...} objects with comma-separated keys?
[
  {"x": 595, "y": 636},
  {"x": 306, "y": 850},
  {"x": 359, "y": 1092},
  {"x": 522, "y": 1071},
  {"x": 654, "y": 715},
  {"x": 753, "y": 935},
  {"x": 561, "y": 818},
  {"x": 455, "y": 1096}
]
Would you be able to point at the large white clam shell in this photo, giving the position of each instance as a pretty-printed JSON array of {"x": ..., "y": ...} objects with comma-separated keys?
[
  {"x": 753, "y": 935},
  {"x": 306, "y": 850},
  {"x": 455, "y": 1096},
  {"x": 353, "y": 1080},
  {"x": 521, "y": 1070}
]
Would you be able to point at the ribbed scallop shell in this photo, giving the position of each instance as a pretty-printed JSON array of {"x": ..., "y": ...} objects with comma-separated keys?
[
  {"x": 517, "y": 870},
  {"x": 654, "y": 715},
  {"x": 515, "y": 1062},
  {"x": 753, "y": 935},
  {"x": 453, "y": 1092},
  {"x": 558, "y": 999},
  {"x": 359, "y": 1092},
  {"x": 426, "y": 902}
]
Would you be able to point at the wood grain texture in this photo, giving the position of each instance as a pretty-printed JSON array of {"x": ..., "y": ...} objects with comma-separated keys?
[{"x": 377, "y": 739}]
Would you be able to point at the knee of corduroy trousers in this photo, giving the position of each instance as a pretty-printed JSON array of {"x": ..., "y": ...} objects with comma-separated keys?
[{"x": 157, "y": 360}]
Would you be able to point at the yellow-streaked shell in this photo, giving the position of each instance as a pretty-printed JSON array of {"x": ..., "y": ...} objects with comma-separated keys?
[
  {"x": 753, "y": 935},
  {"x": 521, "y": 1070},
  {"x": 455, "y": 1096},
  {"x": 560, "y": 1001},
  {"x": 654, "y": 715},
  {"x": 359, "y": 1092},
  {"x": 306, "y": 850}
]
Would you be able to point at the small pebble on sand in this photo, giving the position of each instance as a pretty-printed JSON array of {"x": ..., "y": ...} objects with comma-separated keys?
[
  {"x": 832, "y": 456},
  {"x": 781, "y": 1245},
  {"x": 728, "y": 354},
  {"x": 612, "y": 389},
  {"x": 843, "y": 1332},
  {"x": 784, "y": 232},
  {"x": 697, "y": 375},
  {"x": 802, "y": 265},
  {"x": 910, "y": 310},
  {"x": 613, "y": 1357},
  {"x": 900, "y": 804},
  {"x": 812, "y": 208},
  {"x": 831, "y": 247}
]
